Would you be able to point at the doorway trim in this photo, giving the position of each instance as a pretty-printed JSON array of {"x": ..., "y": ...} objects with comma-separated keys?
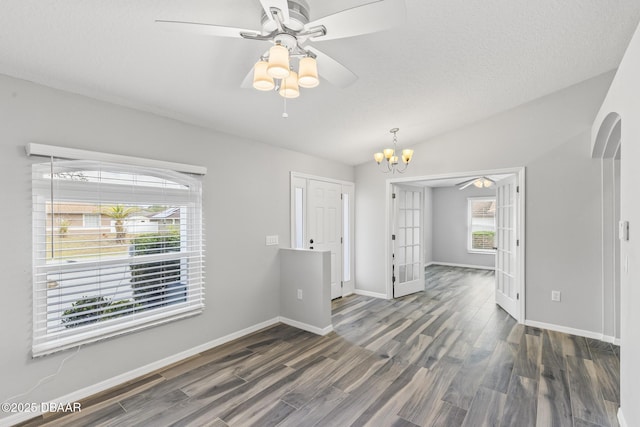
[
  {"x": 519, "y": 172},
  {"x": 347, "y": 188},
  {"x": 607, "y": 149}
]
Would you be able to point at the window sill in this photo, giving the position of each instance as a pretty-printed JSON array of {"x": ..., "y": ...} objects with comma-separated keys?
[{"x": 481, "y": 252}]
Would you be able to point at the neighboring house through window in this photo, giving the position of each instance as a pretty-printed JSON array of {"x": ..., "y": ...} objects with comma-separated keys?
[
  {"x": 482, "y": 224},
  {"x": 117, "y": 270}
]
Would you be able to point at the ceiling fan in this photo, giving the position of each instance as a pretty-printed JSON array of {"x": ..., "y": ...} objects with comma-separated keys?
[
  {"x": 479, "y": 182},
  {"x": 286, "y": 23}
]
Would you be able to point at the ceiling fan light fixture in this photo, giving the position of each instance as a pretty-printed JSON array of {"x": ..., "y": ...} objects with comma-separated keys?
[
  {"x": 308, "y": 72},
  {"x": 289, "y": 88},
  {"x": 261, "y": 79},
  {"x": 278, "y": 67}
]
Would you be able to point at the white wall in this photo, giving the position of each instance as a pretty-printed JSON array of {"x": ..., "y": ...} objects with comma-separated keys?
[
  {"x": 246, "y": 197},
  {"x": 623, "y": 99},
  {"x": 550, "y": 137},
  {"x": 450, "y": 226}
]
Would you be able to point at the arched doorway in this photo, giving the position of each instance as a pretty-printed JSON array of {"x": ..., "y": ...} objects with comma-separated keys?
[{"x": 608, "y": 148}]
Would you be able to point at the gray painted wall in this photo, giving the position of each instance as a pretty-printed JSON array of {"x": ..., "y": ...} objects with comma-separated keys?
[
  {"x": 245, "y": 199},
  {"x": 550, "y": 137},
  {"x": 310, "y": 272},
  {"x": 428, "y": 225},
  {"x": 623, "y": 100},
  {"x": 450, "y": 227}
]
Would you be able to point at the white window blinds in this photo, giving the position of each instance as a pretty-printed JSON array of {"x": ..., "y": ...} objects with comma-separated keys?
[{"x": 141, "y": 263}]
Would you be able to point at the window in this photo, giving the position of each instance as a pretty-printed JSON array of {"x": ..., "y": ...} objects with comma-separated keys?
[
  {"x": 91, "y": 220},
  {"x": 482, "y": 224},
  {"x": 121, "y": 273}
]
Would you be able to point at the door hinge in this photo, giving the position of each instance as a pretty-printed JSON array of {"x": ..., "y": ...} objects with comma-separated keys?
[
  {"x": 393, "y": 237},
  {"x": 342, "y": 284},
  {"x": 518, "y": 295},
  {"x": 341, "y": 240},
  {"x": 517, "y": 188},
  {"x": 518, "y": 242},
  {"x": 393, "y": 195}
]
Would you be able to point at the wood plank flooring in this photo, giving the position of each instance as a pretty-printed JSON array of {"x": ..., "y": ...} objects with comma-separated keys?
[{"x": 447, "y": 356}]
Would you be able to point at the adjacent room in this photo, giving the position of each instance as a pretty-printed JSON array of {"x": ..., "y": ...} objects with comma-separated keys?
[{"x": 320, "y": 213}]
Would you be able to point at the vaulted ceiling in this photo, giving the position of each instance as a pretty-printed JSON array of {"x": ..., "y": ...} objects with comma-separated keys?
[{"x": 452, "y": 62}]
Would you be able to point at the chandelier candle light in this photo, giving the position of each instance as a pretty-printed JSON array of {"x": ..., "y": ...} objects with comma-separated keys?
[{"x": 389, "y": 155}]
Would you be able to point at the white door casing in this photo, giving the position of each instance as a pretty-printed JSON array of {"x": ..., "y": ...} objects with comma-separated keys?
[
  {"x": 407, "y": 237},
  {"x": 324, "y": 226},
  {"x": 507, "y": 241}
]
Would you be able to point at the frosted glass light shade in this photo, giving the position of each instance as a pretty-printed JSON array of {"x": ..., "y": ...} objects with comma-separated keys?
[
  {"x": 378, "y": 157},
  {"x": 278, "y": 67},
  {"x": 407, "y": 154},
  {"x": 261, "y": 79},
  {"x": 478, "y": 183},
  {"x": 393, "y": 160},
  {"x": 308, "y": 72},
  {"x": 388, "y": 152},
  {"x": 289, "y": 88}
]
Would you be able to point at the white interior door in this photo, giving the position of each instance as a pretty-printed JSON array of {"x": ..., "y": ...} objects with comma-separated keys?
[
  {"x": 507, "y": 283},
  {"x": 407, "y": 257},
  {"x": 324, "y": 226}
]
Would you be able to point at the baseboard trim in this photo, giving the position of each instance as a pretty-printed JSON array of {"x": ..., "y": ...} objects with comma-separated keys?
[
  {"x": 141, "y": 371},
  {"x": 566, "y": 330},
  {"x": 621, "y": 420},
  {"x": 306, "y": 327},
  {"x": 453, "y": 264},
  {"x": 370, "y": 294}
]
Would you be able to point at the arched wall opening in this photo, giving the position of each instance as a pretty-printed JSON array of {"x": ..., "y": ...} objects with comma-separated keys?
[{"x": 608, "y": 148}]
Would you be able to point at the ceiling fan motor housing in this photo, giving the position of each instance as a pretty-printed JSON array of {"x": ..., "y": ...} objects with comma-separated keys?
[{"x": 298, "y": 17}]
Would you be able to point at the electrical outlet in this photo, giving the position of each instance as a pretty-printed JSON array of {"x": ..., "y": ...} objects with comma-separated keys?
[
  {"x": 555, "y": 295},
  {"x": 300, "y": 294}
]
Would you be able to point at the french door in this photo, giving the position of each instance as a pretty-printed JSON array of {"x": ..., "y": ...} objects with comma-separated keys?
[
  {"x": 507, "y": 285},
  {"x": 407, "y": 236}
]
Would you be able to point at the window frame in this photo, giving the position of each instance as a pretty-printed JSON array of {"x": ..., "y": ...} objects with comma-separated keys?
[
  {"x": 470, "y": 248},
  {"x": 44, "y": 341}
]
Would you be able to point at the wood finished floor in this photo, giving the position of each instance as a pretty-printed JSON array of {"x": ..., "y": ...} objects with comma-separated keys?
[{"x": 444, "y": 357}]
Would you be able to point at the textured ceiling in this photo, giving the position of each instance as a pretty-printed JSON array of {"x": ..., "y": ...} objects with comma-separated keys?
[{"x": 452, "y": 63}]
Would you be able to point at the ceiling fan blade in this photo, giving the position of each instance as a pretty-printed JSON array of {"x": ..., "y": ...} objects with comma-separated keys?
[
  {"x": 207, "y": 29},
  {"x": 278, "y": 4},
  {"x": 369, "y": 18},
  {"x": 331, "y": 70},
  {"x": 247, "y": 82},
  {"x": 464, "y": 184}
]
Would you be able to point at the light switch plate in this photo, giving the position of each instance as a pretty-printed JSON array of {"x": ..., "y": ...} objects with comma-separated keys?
[{"x": 272, "y": 240}]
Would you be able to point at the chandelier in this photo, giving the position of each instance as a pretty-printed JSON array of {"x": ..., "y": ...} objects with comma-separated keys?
[
  {"x": 389, "y": 156},
  {"x": 274, "y": 71}
]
